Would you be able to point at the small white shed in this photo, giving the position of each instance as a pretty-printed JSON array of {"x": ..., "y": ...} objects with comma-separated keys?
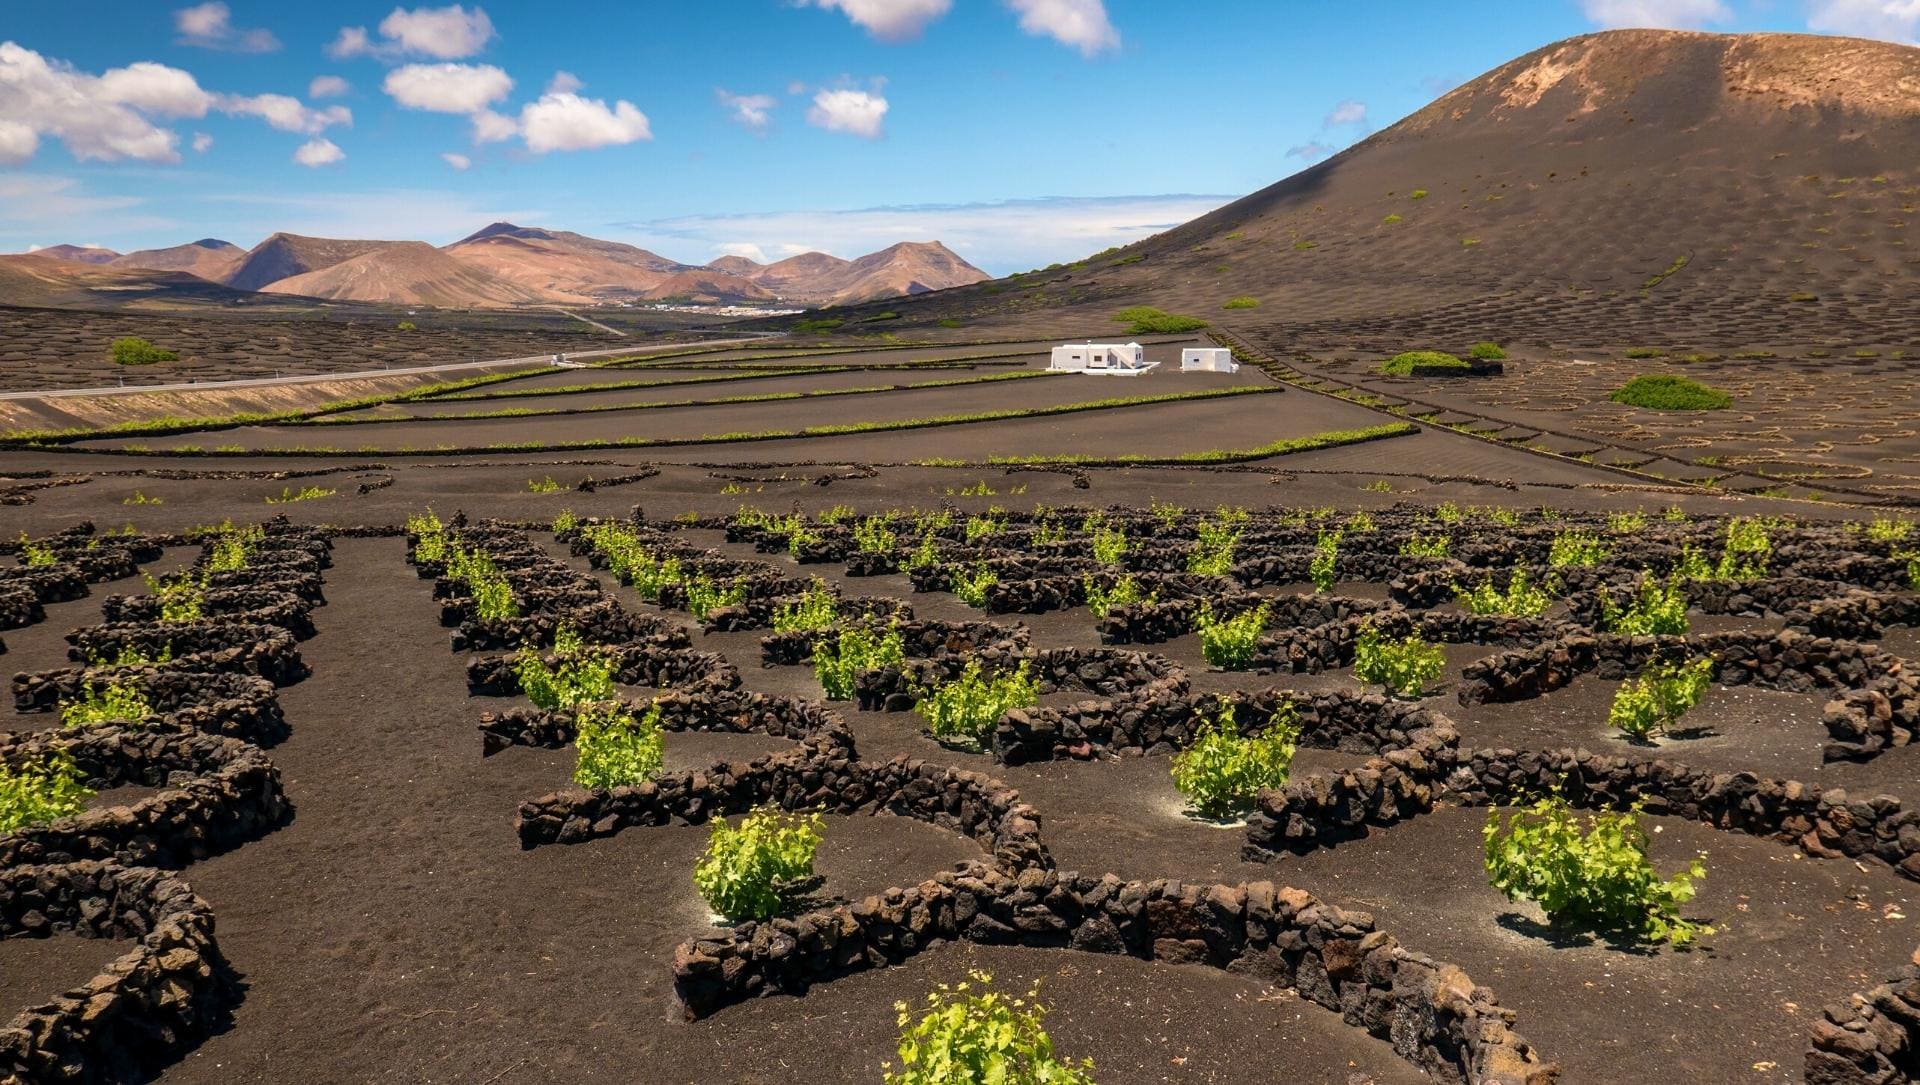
[
  {"x": 1113, "y": 358},
  {"x": 1207, "y": 360}
]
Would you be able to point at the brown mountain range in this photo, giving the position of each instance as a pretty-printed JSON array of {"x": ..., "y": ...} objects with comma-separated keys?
[
  {"x": 1616, "y": 188},
  {"x": 500, "y": 265}
]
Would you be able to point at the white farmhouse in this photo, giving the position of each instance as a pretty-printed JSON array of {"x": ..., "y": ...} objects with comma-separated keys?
[
  {"x": 1118, "y": 359},
  {"x": 1207, "y": 360}
]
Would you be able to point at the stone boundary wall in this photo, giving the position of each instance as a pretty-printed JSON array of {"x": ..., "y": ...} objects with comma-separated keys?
[
  {"x": 1332, "y": 646},
  {"x": 262, "y": 651},
  {"x": 823, "y": 774},
  {"x": 253, "y": 606},
  {"x": 217, "y": 793},
  {"x": 1432, "y": 1013},
  {"x": 216, "y": 702},
  {"x": 731, "y": 711},
  {"x": 760, "y": 613},
  {"x": 1871, "y": 1039},
  {"x": 1877, "y": 705},
  {"x": 647, "y": 663},
  {"x": 1163, "y": 719},
  {"x": 147, "y": 1006},
  {"x": 1103, "y": 672},
  {"x": 919, "y": 639}
]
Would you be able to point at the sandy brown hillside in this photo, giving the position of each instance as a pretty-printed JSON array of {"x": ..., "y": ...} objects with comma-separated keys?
[
  {"x": 209, "y": 258},
  {"x": 408, "y": 273},
  {"x": 816, "y": 278},
  {"x": 1612, "y": 188},
  {"x": 45, "y": 281},
  {"x": 562, "y": 265},
  {"x": 79, "y": 254},
  {"x": 284, "y": 255}
]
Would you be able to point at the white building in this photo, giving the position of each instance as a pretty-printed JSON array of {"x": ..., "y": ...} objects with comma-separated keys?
[
  {"x": 1119, "y": 359},
  {"x": 1207, "y": 360}
]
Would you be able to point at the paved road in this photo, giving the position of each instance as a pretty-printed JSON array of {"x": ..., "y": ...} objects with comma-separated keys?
[
  {"x": 361, "y": 374},
  {"x": 584, "y": 320}
]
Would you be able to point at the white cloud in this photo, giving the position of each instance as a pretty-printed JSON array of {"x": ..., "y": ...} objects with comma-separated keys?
[
  {"x": 491, "y": 127},
  {"x": 202, "y": 143},
  {"x": 328, "y": 86},
  {"x": 1082, "y": 24},
  {"x": 111, "y": 117},
  {"x": 1657, "y": 14},
  {"x": 98, "y": 118},
  {"x": 1889, "y": 20},
  {"x": 457, "y": 161},
  {"x": 286, "y": 114},
  {"x": 18, "y": 143},
  {"x": 753, "y": 110},
  {"x": 448, "y": 33},
  {"x": 888, "y": 20},
  {"x": 564, "y": 83},
  {"x": 1310, "y": 152},
  {"x": 210, "y": 26},
  {"x": 1348, "y": 112},
  {"x": 1001, "y": 237},
  {"x": 568, "y": 122},
  {"x": 744, "y": 248},
  {"x": 448, "y": 88},
  {"x": 319, "y": 152},
  {"x": 855, "y": 112}
]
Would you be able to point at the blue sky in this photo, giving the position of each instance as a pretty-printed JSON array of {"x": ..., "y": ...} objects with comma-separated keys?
[{"x": 1019, "y": 131}]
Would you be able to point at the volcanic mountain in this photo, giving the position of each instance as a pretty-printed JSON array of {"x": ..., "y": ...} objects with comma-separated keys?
[
  {"x": 79, "y": 254},
  {"x": 410, "y": 273},
  {"x": 1633, "y": 185},
  {"x": 209, "y": 258},
  {"x": 911, "y": 267},
  {"x": 283, "y": 256}
]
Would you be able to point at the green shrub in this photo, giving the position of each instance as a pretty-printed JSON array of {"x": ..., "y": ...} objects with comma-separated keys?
[
  {"x": 965, "y": 710},
  {"x": 875, "y": 535},
  {"x": 1213, "y": 551},
  {"x": 133, "y": 350},
  {"x": 289, "y": 495},
  {"x": 1599, "y": 878},
  {"x": 1655, "y": 701},
  {"x": 704, "y": 596},
  {"x": 1325, "y": 563},
  {"x": 1146, "y": 320},
  {"x": 36, "y": 792},
  {"x": 1521, "y": 599},
  {"x": 1657, "y": 608},
  {"x": 565, "y": 521},
  {"x": 971, "y": 588},
  {"x": 1404, "y": 666},
  {"x": 131, "y": 656},
  {"x": 947, "y": 322},
  {"x": 406, "y": 326},
  {"x": 965, "y": 1038},
  {"x": 631, "y": 560},
  {"x": 1627, "y": 523},
  {"x": 819, "y": 326},
  {"x": 816, "y": 609},
  {"x": 1229, "y": 643},
  {"x": 429, "y": 535},
  {"x": 1403, "y": 364},
  {"x": 615, "y": 748},
  {"x": 36, "y": 555},
  {"x": 748, "y": 871},
  {"x": 1125, "y": 592},
  {"x": 1222, "y": 772},
  {"x": 579, "y": 677},
  {"x": 491, "y": 591},
  {"x": 1745, "y": 552},
  {"x": 1109, "y": 545},
  {"x": 981, "y": 527},
  {"x": 1576, "y": 550},
  {"x": 1242, "y": 302},
  {"x": 1662, "y": 392},
  {"x": 545, "y": 485},
  {"x": 1886, "y": 529},
  {"x": 857, "y": 648},
  {"x": 231, "y": 548},
  {"x": 1487, "y": 352},
  {"x": 139, "y": 498},
  {"x": 112, "y": 702},
  {"x": 183, "y": 597},
  {"x": 1448, "y": 513},
  {"x": 1417, "y": 194},
  {"x": 1426, "y": 546}
]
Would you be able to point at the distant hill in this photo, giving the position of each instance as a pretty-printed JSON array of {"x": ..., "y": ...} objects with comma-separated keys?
[
  {"x": 79, "y": 254},
  {"x": 408, "y": 273},
  {"x": 1620, "y": 187},
  {"x": 209, "y": 258},
  {"x": 33, "y": 280},
  {"x": 503, "y": 265},
  {"x": 283, "y": 256}
]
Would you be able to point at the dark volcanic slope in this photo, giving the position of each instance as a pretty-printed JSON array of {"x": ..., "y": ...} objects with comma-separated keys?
[{"x": 1718, "y": 189}]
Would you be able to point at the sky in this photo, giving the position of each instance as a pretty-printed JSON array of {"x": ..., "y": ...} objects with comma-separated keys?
[{"x": 1020, "y": 132}]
